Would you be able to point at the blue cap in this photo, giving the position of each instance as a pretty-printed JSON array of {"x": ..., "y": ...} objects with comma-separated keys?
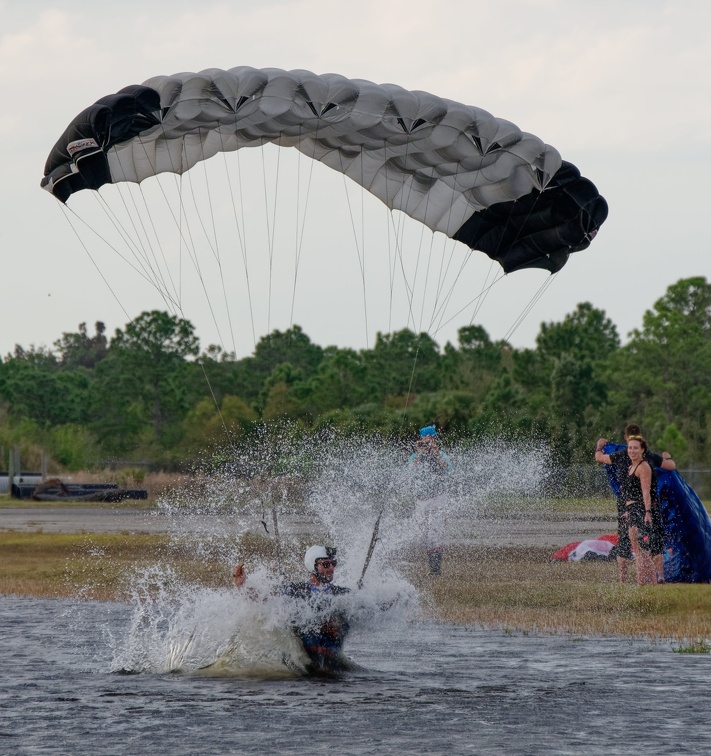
[{"x": 429, "y": 430}]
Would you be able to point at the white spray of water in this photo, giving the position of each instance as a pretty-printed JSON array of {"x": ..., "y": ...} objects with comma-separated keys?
[{"x": 313, "y": 490}]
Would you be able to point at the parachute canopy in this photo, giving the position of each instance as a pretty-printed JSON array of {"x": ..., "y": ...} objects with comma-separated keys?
[{"x": 453, "y": 167}]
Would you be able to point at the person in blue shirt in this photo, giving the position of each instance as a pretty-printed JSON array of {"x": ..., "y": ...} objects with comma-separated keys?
[{"x": 430, "y": 466}]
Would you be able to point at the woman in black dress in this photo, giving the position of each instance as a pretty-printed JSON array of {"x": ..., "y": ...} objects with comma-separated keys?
[{"x": 637, "y": 495}]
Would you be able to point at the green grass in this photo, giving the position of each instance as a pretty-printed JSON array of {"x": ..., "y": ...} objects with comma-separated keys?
[{"x": 695, "y": 647}]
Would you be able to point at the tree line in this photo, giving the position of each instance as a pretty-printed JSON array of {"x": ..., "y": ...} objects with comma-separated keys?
[{"x": 149, "y": 392}]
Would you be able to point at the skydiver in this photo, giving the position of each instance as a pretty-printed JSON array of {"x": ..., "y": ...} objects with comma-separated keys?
[{"x": 323, "y": 638}]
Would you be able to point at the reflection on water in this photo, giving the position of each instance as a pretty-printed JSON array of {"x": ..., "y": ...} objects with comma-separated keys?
[{"x": 425, "y": 688}]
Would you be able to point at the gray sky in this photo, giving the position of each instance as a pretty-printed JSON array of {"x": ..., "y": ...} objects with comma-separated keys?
[{"x": 619, "y": 88}]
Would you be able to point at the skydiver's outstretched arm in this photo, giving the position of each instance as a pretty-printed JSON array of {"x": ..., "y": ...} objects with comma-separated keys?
[{"x": 239, "y": 577}]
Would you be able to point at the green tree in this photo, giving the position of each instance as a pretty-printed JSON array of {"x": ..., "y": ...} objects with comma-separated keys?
[
  {"x": 564, "y": 378},
  {"x": 140, "y": 387},
  {"x": 286, "y": 396},
  {"x": 402, "y": 363},
  {"x": 207, "y": 426},
  {"x": 475, "y": 365},
  {"x": 34, "y": 388},
  {"x": 340, "y": 380},
  {"x": 80, "y": 349},
  {"x": 662, "y": 376},
  {"x": 506, "y": 412}
]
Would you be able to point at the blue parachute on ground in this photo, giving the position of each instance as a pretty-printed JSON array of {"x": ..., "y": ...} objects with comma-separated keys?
[{"x": 687, "y": 526}]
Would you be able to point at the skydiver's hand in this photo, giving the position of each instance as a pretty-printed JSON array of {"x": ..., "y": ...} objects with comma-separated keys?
[{"x": 239, "y": 576}]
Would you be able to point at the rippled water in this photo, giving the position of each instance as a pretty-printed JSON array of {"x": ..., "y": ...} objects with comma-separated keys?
[{"x": 424, "y": 688}]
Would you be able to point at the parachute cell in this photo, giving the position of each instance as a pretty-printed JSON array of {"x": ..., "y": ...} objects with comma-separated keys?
[{"x": 453, "y": 167}]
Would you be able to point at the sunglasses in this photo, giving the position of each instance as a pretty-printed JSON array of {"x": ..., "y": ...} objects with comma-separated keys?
[{"x": 328, "y": 563}]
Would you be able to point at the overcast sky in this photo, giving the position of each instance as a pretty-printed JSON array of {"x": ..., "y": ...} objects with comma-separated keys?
[{"x": 620, "y": 88}]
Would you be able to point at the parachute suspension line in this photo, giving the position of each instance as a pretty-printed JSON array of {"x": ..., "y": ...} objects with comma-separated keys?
[
  {"x": 391, "y": 257},
  {"x": 300, "y": 233},
  {"x": 242, "y": 241},
  {"x": 399, "y": 240},
  {"x": 397, "y": 255},
  {"x": 140, "y": 264},
  {"x": 409, "y": 290},
  {"x": 416, "y": 326},
  {"x": 296, "y": 236},
  {"x": 362, "y": 245},
  {"x": 183, "y": 242},
  {"x": 527, "y": 309},
  {"x": 165, "y": 294},
  {"x": 360, "y": 253},
  {"x": 482, "y": 298},
  {"x": 191, "y": 248},
  {"x": 177, "y": 289},
  {"x": 427, "y": 271},
  {"x": 67, "y": 212},
  {"x": 216, "y": 249},
  {"x": 439, "y": 309},
  {"x": 271, "y": 227},
  {"x": 154, "y": 267},
  {"x": 446, "y": 300},
  {"x": 409, "y": 384},
  {"x": 181, "y": 238},
  {"x": 151, "y": 270},
  {"x": 442, "y": 274},
  {"x": 471, "y": 302}
]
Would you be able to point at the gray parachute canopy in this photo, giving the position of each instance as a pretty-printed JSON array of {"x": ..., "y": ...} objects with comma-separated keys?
[{"x": 456, "y": 168}]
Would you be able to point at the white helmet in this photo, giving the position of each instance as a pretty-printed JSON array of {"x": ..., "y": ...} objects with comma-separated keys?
[{"x": 317, "y": 552}]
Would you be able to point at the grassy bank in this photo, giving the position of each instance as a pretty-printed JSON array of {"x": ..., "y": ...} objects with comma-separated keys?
[
  {"x": 512, "y": 588},
  {"x": 519, "y": 589}
]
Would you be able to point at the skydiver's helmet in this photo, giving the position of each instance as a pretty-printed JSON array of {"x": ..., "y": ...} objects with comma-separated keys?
[{"x": 317, "y": 552}]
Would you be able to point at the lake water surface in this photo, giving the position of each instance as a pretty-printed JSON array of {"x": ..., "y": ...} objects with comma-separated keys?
[{"x": 424, "y": 688}]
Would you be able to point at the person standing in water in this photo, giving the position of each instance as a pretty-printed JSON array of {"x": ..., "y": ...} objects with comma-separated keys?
[
  {"x": 324, "y": 634},
  {"x": 430, "y": 466}
]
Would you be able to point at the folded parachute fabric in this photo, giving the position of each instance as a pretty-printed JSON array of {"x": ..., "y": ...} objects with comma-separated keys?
[{"x": 598, "y": 548}]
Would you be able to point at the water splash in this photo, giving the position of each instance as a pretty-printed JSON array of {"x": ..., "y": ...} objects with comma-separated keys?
[{"x": 263, "y": 505}]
